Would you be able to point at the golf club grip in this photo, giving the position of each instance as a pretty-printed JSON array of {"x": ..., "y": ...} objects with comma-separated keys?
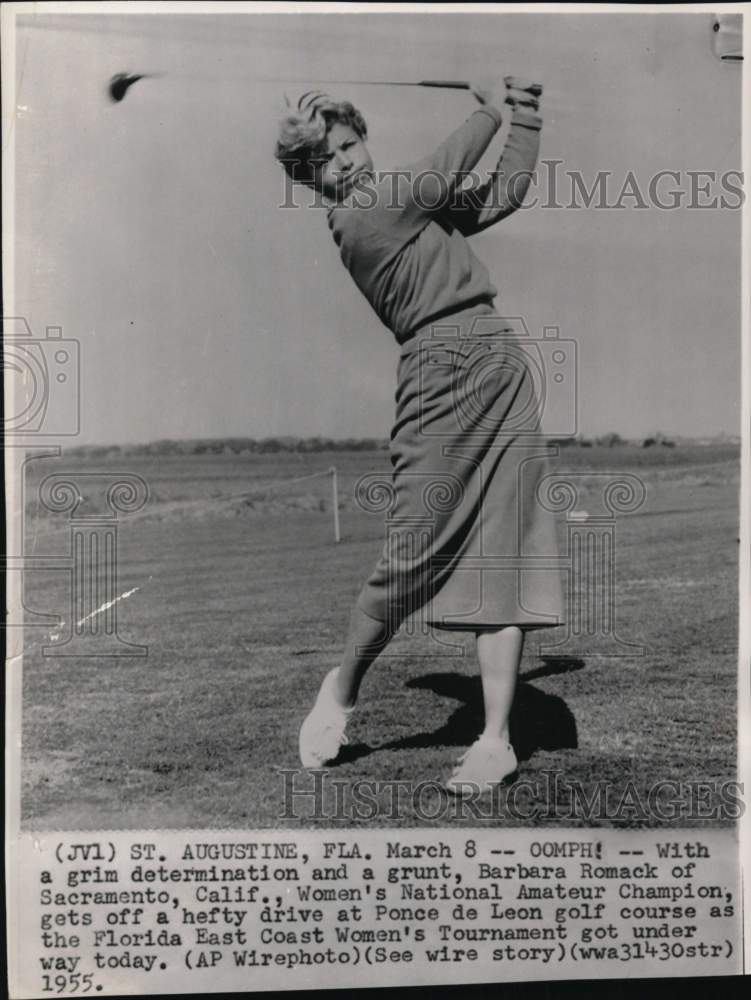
[{"x": 535, "y": 89}]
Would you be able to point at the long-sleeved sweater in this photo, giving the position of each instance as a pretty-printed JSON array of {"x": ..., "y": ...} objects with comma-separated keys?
[{"x": 403, "y": 241}]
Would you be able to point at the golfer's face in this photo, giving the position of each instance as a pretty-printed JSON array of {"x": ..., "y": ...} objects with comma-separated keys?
[{"x": 347, "y": 156}]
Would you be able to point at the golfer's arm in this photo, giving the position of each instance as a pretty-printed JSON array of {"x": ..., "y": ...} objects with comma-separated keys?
[
  {"x": 475, "y": 209},
  {"x": 431, "y": 180}
]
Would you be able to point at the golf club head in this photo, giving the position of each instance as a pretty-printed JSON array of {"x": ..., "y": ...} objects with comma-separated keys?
[{"x": 120, "y": 83}]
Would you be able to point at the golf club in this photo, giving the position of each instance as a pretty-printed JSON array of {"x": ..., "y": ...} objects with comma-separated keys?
[{"x": 120, "y": 83}]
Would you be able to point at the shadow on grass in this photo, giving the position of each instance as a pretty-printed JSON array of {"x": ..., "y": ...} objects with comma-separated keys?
[{"x": 539, "y": 721}]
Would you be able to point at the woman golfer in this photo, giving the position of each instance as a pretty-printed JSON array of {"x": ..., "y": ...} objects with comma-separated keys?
[{"x": 468, "y": 537}]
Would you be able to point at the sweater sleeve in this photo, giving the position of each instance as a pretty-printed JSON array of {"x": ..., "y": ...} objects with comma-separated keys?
[
  {"x": 477, "y": 207},
  {"x": 427, "y": 186}
]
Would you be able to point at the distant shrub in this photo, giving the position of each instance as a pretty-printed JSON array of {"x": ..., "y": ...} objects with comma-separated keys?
[
  {"x": 610, "y": 440},
  {"x": 658, "y": 439}
]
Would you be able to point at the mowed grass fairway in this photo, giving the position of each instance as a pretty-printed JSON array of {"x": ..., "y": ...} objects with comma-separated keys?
[{"x": 243, "y": 604}]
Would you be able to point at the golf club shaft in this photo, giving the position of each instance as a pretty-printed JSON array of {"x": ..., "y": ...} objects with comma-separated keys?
[
  {"x": 200, "y": 78},
  {"x": 535, "y": 89},
  {"x": 447, "y": 84}
]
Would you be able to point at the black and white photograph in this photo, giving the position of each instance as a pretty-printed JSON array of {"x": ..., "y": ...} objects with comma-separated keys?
[{"x": 374, "y": 422}]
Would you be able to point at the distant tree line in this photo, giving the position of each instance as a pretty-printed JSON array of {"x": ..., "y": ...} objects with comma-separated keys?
[
  {"x": 236, "y": 446},
  {"x": 311, "y": 445},
  {"x": 612, "y": 441}
]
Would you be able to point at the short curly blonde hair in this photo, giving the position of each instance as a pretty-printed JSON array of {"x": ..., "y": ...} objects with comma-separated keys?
[{"x": 302, "y": 133}]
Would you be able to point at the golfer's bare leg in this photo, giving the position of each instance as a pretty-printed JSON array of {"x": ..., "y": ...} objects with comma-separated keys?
[
  {"x": 499, "y": 653},
  {"x": 367, "y": 638}
]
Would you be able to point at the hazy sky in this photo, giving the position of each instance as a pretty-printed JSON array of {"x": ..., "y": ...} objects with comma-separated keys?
[{"x": 150, "y": 230}]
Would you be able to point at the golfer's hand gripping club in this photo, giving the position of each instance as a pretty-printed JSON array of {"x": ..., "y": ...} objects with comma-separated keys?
[{"x": 513, "y": 90}]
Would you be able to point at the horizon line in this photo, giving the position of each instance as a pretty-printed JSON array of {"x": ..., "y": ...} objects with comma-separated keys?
[{"x": 384, "y": 439}]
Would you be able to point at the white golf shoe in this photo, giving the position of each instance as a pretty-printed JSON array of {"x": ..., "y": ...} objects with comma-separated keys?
[
  {"x": 323, "y": 732},
  {"x": 485, "y": 764}
]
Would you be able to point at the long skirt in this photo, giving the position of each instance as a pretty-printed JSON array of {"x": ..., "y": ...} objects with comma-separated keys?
[{"x": 470, "y": 542}]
